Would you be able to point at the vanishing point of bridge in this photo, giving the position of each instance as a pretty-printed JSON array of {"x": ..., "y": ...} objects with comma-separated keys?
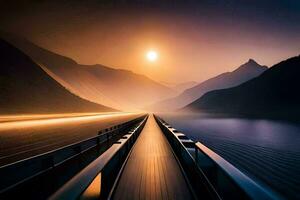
[{"x": 144, "y": 158}]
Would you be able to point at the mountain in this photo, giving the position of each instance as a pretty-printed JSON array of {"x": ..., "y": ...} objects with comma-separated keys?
[
  {"x": 116, "y": 88},
  {"x": 180, "y": 87},
  {"x": 26, "y": 88},
  {"x": 242, "y": 74},
  {"x": 275, "y": 93}
]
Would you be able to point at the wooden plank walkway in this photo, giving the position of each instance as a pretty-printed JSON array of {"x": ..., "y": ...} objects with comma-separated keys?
[{"x": 152, "y": 171}]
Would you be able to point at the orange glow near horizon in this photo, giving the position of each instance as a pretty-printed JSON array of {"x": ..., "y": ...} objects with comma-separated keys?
[
  {"x": 68, "y": 119},
  {"x": 194, "y": 48}
]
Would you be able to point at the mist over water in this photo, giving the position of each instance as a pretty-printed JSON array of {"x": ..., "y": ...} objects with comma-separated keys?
[{"x": 266, "y": 150}]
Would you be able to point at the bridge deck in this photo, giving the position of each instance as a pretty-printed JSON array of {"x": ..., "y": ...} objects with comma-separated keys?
[{"x": 152, "y": 171}]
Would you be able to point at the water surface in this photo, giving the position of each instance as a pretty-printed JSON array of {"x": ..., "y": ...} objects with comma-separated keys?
[{"x": 266, "y": 150}]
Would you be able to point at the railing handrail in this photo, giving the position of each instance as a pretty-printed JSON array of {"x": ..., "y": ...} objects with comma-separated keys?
[
  {"x": 73, "y": 188},
  {"x": 51, "y": 151},
  {"x": 246, "y": 185},
  {"x": 250, "y": 187},
  {"x": 78, "y": 184}
]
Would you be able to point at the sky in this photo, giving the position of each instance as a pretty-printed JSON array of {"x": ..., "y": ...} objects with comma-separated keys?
[{"x": 195, "y": 40}]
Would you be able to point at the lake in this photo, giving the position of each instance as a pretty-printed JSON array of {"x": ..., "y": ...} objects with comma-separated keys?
[{"x": 268, "y": 151}]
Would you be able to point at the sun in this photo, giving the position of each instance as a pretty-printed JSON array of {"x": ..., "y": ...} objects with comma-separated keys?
[{"x": 152, "y": 56}]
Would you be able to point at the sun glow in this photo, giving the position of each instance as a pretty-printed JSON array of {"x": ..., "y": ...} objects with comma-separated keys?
[{"x": 152, "y": 56}]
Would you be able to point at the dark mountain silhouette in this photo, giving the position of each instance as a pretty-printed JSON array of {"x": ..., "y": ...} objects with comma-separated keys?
[
  {"x": 242, "y": 74},
  {"x": 275, "y": 93},
  {"x": 116, "y": 88},
  {"x": 26, "y": 88}
]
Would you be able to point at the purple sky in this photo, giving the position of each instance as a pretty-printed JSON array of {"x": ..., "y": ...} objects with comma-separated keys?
[{"x": 195, "y": 41}]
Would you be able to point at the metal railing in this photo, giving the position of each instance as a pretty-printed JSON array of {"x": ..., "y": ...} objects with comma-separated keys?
[
  {"x": 199, "y": 182},
  {"x": 208, "y": 170},
  {"x": 107, "y": 165},
  {"x": 227, "y": 179},
  {"x": 19, "y": 172}
]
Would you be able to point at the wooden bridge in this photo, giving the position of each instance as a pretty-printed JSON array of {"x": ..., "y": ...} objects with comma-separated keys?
[
  {"x": 152, "y": 170},
  {"x": 149, "y": 160}
]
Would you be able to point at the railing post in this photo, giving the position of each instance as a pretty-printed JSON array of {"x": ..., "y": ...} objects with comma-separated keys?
[
  {"x": 98, "y": 139},
  {"x": 107, "y": 136},
  {"x": 196, "y": 154}
]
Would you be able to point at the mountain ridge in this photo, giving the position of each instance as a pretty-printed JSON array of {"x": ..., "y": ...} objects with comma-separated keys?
[
  {"x": 117, "y": 88},
  {"x": 180, "y": 87},
  {"x": 243, "y": 73},
  {"x": 26, "y": 88},
  {"x": 273, "y": 93}
]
